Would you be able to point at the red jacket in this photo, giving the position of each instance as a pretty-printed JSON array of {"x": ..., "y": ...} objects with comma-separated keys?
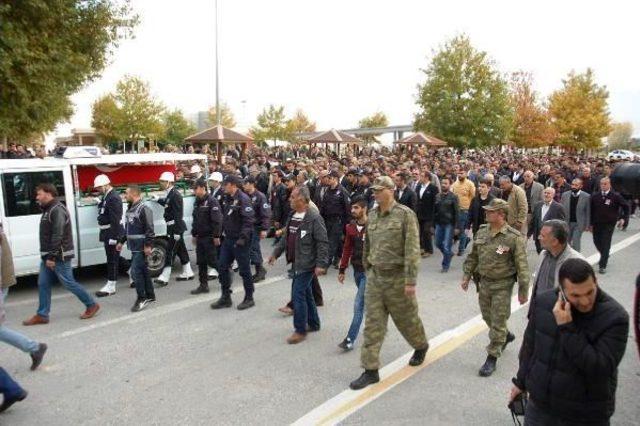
[{"x": 353, "y": 248}]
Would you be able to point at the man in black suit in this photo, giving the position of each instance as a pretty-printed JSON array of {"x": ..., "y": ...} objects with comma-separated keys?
[
  {"x": 426, "y": 194},
  {"x": 517, "y": 177},
  {"x": 404, "y": 194},
  {"x": 543, "y": 211},
  {"x": 607, "y": 208}
]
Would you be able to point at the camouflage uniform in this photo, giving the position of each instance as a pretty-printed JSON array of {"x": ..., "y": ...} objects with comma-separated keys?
[
  {"x": 497, "y": 259},
  {"x": 391, "y": 258}
]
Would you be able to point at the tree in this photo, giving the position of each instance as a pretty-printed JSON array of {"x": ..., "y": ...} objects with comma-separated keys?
[
  {"x": 299, "y": 123},
  {"x": 531, "y": 124},
  {"x": 176, "y": 127},
  {"x": 464, "y": 100},
  {"x": 620, "y": 136},
  {"x": 579, "y": 112},
  {"x": 49, "y": 50},
  {"x": 130, "y": 114},
  {"x": 379, "y": 119},
  {"x": 226, "y": 116},
  {"x": 272, "y": 125}
]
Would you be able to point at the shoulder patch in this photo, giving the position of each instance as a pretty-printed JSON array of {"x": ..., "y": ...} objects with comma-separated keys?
[
  {"x": 265, "y": 206},
  {"x": 248, "y": 209},
  {"x": 514, "y": 231}
]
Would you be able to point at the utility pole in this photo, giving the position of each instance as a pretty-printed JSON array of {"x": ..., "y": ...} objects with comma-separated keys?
[{"x": 218, "y": 113}]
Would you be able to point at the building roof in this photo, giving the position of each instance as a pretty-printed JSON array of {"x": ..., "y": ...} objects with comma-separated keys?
[
  {"x": 422, "y": 139},
  {"x": 218, "y": 134},
  {"x": 334, "y": 136}
]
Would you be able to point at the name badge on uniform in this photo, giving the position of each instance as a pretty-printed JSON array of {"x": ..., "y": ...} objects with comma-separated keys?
[
  {"x": 302, "y": 234},
  {"x": 502, "y": 249},
  {"x": 607, "y": 202}
]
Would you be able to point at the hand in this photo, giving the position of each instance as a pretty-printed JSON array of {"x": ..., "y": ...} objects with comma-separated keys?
[
  {"x": 240, "y": 242},
  {"x": 272, "y": 260},
  {"x": 119, "y": 247},
  {"x": 456, "y": 231},
  {"x": 147, "y": 250},
  {"x": 341, "y": 278},
  {"x": 216, "y": 242},
  {"x": 465, "y": 284},
  {"x": 523, "y": 299},
  {"x": 320, "y": 271},
  {"x": 263, "y": 235},
  {"x": 589, "y": 228},
  {"x": 620, "y": 223},
  {"x": 515, "y": 391},
  {"x": 278, "y": 233},
  {"x": 51, "y": 264},
  {"x": 410, "y": 290},
  {"x": 562, "y": 311}
]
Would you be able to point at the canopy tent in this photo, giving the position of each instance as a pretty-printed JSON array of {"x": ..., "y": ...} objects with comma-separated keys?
[
  {"x": 219, "y": 135},
  {"x": 421, "y": 139},
  {"x": 335, "y": 137}
]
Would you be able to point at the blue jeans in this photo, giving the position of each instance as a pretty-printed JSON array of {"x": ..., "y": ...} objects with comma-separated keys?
[
  {"x": 444, "y": 241},
  {"x": 64, "y": 274},
  {"x": 463, "y": 218},
  {"x": 141, "y": 277},
  {"x": 228, "y": 252},
  {"x": 14, "y": 338},
  {"x": 9, "y": 388},
  {"x": 358, "y": 305},
  {"x": 255, "y": 254},
  {"x": 304, "y": 307}
]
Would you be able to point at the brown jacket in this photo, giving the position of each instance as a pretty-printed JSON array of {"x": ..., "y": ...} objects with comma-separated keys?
[
  {"x": 7, "y": 273},
  {"x": 517, "y": 209}
]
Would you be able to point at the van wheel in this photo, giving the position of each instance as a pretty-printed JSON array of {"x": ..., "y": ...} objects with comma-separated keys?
[{"x": 155, "y": 261}]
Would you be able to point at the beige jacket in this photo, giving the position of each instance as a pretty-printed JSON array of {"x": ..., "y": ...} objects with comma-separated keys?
[
  {"x": 7, "y": 273},
  {"x": 517, "y": 209}
]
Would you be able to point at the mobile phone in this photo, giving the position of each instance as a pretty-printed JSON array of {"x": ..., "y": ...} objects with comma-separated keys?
[{"x": 562, "y": 295}]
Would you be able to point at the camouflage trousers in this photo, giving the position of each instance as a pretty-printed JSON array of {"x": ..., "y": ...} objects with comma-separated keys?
[
  {"x": 495, "y": 305},
  {"x": 385, "y": 296}
]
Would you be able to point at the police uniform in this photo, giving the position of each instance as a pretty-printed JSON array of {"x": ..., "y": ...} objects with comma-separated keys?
[
  {"x": 139, "y": 233},
  {"x": 111, "y": 231},
  {"x": 237, "y": 226},
  {"x": 497, "y": 260},
  {"x": 207, "y": 225},
  {"x": 262, "y": 211},
  {"x": 173, "y": 215},
  {"x": 335, "y": 209}
]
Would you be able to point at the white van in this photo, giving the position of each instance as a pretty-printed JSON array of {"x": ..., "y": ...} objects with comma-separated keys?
[{"x": 73, "y": 178}]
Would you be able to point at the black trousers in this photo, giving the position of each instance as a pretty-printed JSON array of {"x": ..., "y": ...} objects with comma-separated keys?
[
  {"x": 206, "y": 256},
  {"x": 176, "y": 248},
  {"x": 335, "y": 234},
  {"x": 602, "y": 233},
  {"x": 113, "y": 261},
  {"x": 426, "y": 236}
]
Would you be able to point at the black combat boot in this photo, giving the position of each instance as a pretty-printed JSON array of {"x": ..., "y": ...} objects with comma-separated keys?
[
  {"x": 246, "y": 304},
  {"x": 489, "y": 366},
  {"x": 418, "y": 356},
  {"x": 367, "y": 378},
  {"x": 202, "y": 288},
  {"x": 223, "y": 302},
  {"x": 260, "y": 275},
  {"x": 510, "y": 338}
]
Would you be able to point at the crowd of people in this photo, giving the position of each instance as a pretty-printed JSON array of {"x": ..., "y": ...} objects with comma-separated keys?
[{"x": 381, "y": 211}]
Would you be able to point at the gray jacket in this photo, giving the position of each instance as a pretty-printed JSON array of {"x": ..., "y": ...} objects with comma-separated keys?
[
  {"x": 536, "y": 193},
  {"x": 568, "y": 253},
  {"x": 312, "y": 244},
  {"x": 583, "y": 209}
]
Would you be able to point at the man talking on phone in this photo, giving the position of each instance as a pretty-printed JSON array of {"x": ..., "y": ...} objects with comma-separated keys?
[{"x": 575, "y": 339}]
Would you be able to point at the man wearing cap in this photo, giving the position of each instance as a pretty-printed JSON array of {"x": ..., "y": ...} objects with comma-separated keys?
[
  {"x": 111, "y": 230},
  {"x": 262, "y": 211},
  {"x": 498, "y": 258},
  {"x": 391, "y": 257},
  {"x": 195, "y": 172},
  {"x": 335, "y": 209},
  {"x": 173, "y": 216},
  {"x": 237, "y": 225},
  {"x": 217, "y": 192}
]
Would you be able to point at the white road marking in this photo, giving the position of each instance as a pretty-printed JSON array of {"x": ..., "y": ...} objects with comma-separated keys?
[{"x": 341, "y": 406}]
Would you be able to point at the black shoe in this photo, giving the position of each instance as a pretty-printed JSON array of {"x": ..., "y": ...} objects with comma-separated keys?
[
  {"x": 346, "y": 344},
  {"x": 418, "y": 357},
  {"x": 602, "y": 270},
  {"x": 141, "y": 304},
  {"x": 160, "y": 283},
  {"x": 36, "y": 357},
  {"x": 223, "y": 302},
  {"x": 201, "y": 289},
  {"x": 510, "y": 338},
  {"x": 8, "y": 402},
  {"x": 104, "y": 294},
  {"x": 260, "y": 275},
  {"x": 489, "y": 366},
  {"x": 132, "y": 285},
  {"x": 246, "y": 304},
  {"x": 367, "y": 378},
  {"x": 336, "y": 265}
]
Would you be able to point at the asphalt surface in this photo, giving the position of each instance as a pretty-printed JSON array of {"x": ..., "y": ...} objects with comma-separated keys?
[{"x": 179, "y": 362}]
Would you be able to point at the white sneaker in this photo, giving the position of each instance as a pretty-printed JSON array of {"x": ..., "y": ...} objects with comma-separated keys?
[
  {"x": 212, "y": 273},
  {"x": 164, "y": 276},
  {"x": 108, "y": 289},
  {"x": 187, "y": 274},
  {"x": 234, "y": 266}
]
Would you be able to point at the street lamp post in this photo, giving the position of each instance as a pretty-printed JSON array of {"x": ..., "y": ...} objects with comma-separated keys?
[{"x": 218, "y": 115}]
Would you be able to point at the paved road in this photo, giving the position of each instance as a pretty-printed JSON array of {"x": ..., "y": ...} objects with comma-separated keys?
[{"x": 179, "y": 362}]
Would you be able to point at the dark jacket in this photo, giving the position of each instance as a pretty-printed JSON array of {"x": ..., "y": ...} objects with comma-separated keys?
[
  {"x": 56, "y": 237},
  {"x": 555, "y": 212},
  {"x": 238, "y": 217},
  {"x": 571, "y": 370},
  {"x": 262, "y": 211},
  {"x": 312, "y": 245},
  {"x": 138, "y": 227},
  {"x": 609, "y": 209},
  {"x": 477, "y": 215},
  {"x": 110, "y": 217},
  {"x": 353, "y": 248},
  {"x": 174, "y": 212},
  {"x": 207, "y": 218},
  {"x": 409, "y": 198},
  {"x": 336, "y": 205},
  {"x": 279, "y": 203},
  {"x": 447, "y": 209},
  {"x": 426, "y": 207}
]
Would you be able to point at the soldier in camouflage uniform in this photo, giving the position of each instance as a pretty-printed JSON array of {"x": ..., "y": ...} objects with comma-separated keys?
[
  {"x": 391, "y": 257},
  {"x": 497, "y": 260}
]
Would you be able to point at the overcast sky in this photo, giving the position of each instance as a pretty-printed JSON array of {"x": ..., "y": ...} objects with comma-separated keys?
[{"x": 342, "y": 60}]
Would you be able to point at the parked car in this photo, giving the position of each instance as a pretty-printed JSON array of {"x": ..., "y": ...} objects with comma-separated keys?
[{"x": 621, "y": 154}]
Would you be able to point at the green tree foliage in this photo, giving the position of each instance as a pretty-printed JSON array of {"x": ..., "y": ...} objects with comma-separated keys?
[
  {"x": 299, "y": 123},
  {"x": 227, "y": 118},
  {"x": 531, "y": 124},
  {"x": 620, "y": 136},
  {"x": 464, "y": 100},
  {"x": 130, "y": 114},
  {"x": 379, "y": 119},
  {"x": 272, "y": 125},
  {"x": 176, "y": 127},
  {"x": 580, "y": 112},
  {"x": 48, "y": 51}
]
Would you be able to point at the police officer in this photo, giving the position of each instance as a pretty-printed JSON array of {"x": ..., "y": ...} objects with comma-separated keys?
[
  {"x": 216, "y": 189},
  {"x": 391, "y": 257},
  {"x": 205, "y": 230},
  {"x": 498, "y": 258},
  {"x": 237, "y": 225},
  {"x": 111, "y": 230},
  {"x": 139, "y": 237},
  {"x": 335, "y": 209},
  {"x": 173, "y": 216},
  {"x": 279, "y": 200},
  {"x": 262, "y": 211}
]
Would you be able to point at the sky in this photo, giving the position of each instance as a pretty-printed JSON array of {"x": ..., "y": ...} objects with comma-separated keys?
[{"x": 343, "y": 60}]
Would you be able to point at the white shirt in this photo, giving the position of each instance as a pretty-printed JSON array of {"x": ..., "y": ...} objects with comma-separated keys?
[
  {"x": 545, "y": 209},
  {"x": 422, "y": 189}
]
